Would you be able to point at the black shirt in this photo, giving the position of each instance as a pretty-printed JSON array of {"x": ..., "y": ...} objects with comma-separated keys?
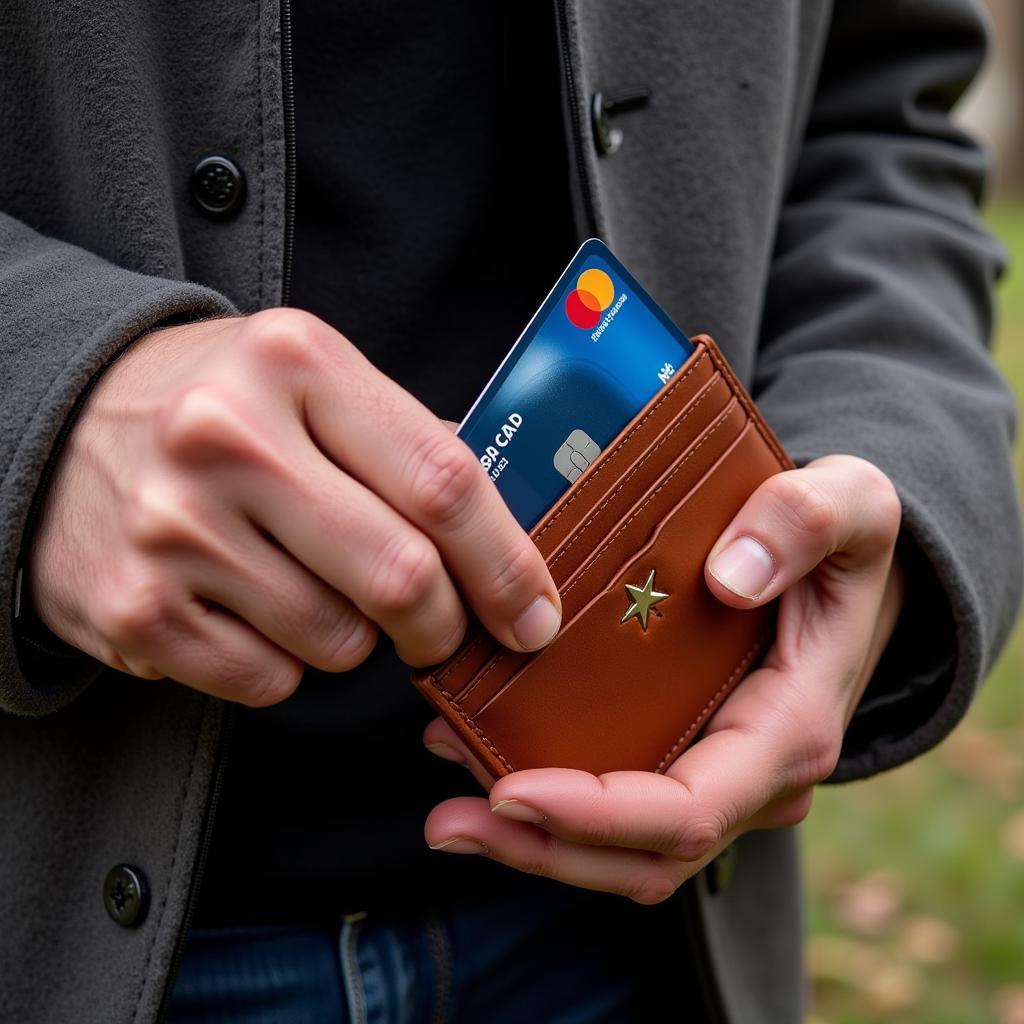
[{"x": 432, "y": 216}]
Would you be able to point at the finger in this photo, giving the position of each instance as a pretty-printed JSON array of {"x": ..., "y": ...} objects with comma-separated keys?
[
  {"x": 362, "y": 548},
  {"x": 283, "y": 600},
  {"x": 838, "y": 507},
  {"x": 401, "y": 451},
  {"x": 786, "y": 812},
  {"x": 465, "y": 825},
  {"x": 334, "y": 525},
  {"x": 214, "y": 652},
  {"x": 769, "y": 749},
  {"x": 441, "y": 740}
]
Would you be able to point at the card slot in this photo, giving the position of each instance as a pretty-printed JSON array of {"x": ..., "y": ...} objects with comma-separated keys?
[
  {"x": 687, "y": 472},
  {"x": 687, "y": 408},
  {"x": 670, "y": 402},
  {"x": 700, "y": 418},
  {"x": 626, "y": 693},
  {"x": 608, "y": 694}
]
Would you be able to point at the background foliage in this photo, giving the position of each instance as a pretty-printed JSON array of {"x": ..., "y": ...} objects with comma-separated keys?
[{"x": 917, "y": 876}]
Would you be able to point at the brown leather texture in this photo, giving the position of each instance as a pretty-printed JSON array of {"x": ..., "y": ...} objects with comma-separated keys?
[{"x": 607, "y": 694}]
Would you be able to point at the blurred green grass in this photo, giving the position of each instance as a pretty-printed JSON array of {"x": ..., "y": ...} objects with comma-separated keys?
[{"x": 916, "y": 878}]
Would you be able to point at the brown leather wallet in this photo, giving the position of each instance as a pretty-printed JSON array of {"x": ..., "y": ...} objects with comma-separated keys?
[{"x": 645, "y": 653}]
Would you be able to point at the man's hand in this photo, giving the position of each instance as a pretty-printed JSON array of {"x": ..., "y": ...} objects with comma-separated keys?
[
  {"x": 243, "y": 496},
  {"x": 822, "y": 537}
]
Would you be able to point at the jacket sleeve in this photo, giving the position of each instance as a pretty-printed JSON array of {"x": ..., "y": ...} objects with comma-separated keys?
[
  {"x": 65, "y": 314},
  {"x": 874, "y": 343}
]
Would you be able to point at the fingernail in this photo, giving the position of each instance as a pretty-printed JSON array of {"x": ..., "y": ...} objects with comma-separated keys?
[
  {"x": 518, "y": 811},
  {"x": 457, "y": 844},
  {"x": 746, "y": 567},
  {"x": 448, "y": 752},
  {"x": 538, "y": 624}
]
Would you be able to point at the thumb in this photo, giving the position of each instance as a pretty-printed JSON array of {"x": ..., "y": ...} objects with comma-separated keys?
[{"x": 838, "y": 507}]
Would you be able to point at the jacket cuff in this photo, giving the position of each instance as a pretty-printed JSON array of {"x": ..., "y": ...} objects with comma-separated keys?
[
  {"x": 68, "y": 315},
  {"x": 916, "y": 694}
]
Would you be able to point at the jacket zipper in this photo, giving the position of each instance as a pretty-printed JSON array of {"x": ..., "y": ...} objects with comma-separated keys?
[
  {"x": 577, "y": 141},
  {"x": 205, "y": 839},
  {"x": 288, "y": 104}
]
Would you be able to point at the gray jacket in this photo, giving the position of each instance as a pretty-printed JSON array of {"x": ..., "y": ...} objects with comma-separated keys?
[{"x": 793, "y": 186}]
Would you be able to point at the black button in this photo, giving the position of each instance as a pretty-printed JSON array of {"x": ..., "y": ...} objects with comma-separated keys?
[
  {"x": 126, "y": 895},
  {"x": 720, "y": 872},
  {"x": 218, "y": 186}
]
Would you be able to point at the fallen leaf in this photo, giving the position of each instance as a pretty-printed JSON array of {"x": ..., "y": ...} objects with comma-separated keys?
[
  {"x": 869, "y": 905},
  {"x": 1008, "y": 1005},
  {"x": 848, "y": 961},
  {"x": 928, "y": 940},
  {"x": 1013, "y": 836},
  {"x": 895, "y": 988},
  {"x": 987, "y": 759}
]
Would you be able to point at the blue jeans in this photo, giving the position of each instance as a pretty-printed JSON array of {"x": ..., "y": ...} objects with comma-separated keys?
[{"x": 564, "y": 956}]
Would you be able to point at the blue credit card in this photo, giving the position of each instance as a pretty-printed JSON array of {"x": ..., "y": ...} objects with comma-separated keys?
[{"x": 590, "y": 359}]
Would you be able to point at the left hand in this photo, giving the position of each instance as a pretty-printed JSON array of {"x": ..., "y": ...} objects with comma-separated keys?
[{"x": 821, "y": 539}]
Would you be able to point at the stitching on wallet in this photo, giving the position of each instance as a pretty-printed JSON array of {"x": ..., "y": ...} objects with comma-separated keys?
[
  {"x": 752, "y": 411},
  {"x": 448, "y": 670},
  {"x": 502, "y": 654},
  {"x": 629, "y": 475},
  {"x": 496, "y": 659},
  {"x": 650, "y": 497},
  {"x": 477, "y": 730},
  {"x": 712, "y": 702},
  {"x": 784, "y": 463},
  {"x": 618, "y": 448},
  {"x": 473, "y": 644}
]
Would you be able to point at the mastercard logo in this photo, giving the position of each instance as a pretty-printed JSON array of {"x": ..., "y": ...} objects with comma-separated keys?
[{"x": 592, "y": 295}]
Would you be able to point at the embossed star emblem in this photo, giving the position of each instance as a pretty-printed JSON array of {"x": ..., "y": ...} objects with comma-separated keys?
[{"x": 643, "y": 599}]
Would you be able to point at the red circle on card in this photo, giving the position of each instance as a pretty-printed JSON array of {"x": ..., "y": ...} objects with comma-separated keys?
[{"x": 579, "y": 314}]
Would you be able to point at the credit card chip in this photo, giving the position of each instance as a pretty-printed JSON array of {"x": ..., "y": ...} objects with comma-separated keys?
[{"x": 575, "y": 453}]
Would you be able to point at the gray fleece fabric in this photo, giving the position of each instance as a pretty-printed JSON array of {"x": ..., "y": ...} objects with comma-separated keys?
[
  {"x": 794, "y": 186},
  {"x": 71, "y": 314}
]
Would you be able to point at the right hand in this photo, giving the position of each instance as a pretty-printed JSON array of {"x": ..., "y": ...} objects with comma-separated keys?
[{"x": 241, "y": 497}]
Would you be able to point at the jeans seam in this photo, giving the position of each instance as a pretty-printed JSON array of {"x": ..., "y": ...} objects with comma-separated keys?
[
  {"x": 440, "y": 950},
  {"x": 351, "y": 975}
]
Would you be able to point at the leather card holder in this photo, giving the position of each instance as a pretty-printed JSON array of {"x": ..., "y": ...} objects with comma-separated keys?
[{"x": 645, "y": 653}]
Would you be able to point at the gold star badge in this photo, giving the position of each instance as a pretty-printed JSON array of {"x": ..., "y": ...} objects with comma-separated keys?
[{"x": 643, "y": 601}]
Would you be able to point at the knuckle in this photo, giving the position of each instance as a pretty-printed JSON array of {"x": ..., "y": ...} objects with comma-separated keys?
[
  {"x": 537, "y": 865},
  {"x": 597, "y": 831},
  {"x": 405, "y": 574},
  {"x": 287, "y": 339},
  {"x": 349, "y": 645},
  {"x": 792, "y": 812},
  {"x": 515, "y": 572},
  {"x": 444, "y": 481},
  {"x": 650, "y": 889},
  {"x": 160, "y": 515},
  {"x": 818, "y": 758},
  {"x": 197, "y": 421},
  {"x": 141, "y": 668},
  {"x": 128, "y": 613},
  {"x": 541, "y": 859},
  {"x": 260, "y": 689},
  {"x": 883, "y": 500},
  {"x": 697, "y": 837},
  {"x": 448, "y": 644},
  {"x": 806, "y": 505}
]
